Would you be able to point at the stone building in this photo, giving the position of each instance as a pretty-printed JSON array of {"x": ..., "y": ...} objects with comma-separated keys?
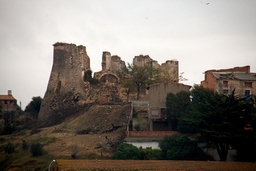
[{"x": 224, "y": 81}]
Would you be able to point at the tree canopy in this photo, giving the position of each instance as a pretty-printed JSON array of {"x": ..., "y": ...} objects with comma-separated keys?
[
  {"x": 221, "y": 120},
  {"x": 34, "y": 106},
  {"x": 181, "y": 147},
  {"x": 139, "y": 76},
  {"x": 176, "y": 106},
  {"x": 127, "y": 152}
]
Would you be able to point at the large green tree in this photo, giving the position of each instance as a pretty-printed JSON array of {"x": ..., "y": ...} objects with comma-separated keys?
[
  {"x": 221, "y": 119},
  {"x": 176, "y": 106},
  {"x": 181, "y": 147},
  {"x": 34, "y": 106},
  {"x": 139, "y": 76}
]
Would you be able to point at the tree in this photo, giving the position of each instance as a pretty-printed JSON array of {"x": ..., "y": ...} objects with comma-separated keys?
[
  {"x": 36, "y": 148},
  {"x": 9, "y": 121},
  {"x": 34, "y": 106},
  {"x": 140, "y": 76},
  {"x": 176, "y": 106},
  {"x": 180, "y": 147},
  {"x": 128, "y": 87},
  {"x": 221, "y": 119},
  {"x": 127, "y": 152}
]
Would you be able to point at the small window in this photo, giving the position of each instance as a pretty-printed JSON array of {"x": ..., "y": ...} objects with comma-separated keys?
[
  {"x": 225, "y": 84},
  {"x": 248, "y": 84},
  {"x": 225, "y": 92},
  {"x": 6, "y": 102},
  {"x": 247, "y": 94},
  {"x": 154, "y": 111}
]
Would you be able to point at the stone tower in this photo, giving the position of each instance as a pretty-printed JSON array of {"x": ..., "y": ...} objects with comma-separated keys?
[
  {"x": 172, "y": 67},
  {"x": 66, "y": 87}
]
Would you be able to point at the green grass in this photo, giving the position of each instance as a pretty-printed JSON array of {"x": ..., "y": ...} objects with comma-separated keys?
[{"x": 25, "y": 161}]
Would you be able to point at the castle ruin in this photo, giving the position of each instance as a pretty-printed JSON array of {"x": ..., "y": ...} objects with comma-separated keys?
[{"x": 69, "y": 88}]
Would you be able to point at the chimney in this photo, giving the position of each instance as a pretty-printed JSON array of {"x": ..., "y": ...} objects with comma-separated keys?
[{"x": 9, "y": 92}]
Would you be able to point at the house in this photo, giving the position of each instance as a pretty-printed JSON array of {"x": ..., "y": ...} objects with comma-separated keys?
[
  {"x": 224, "y": 81},
  {"x": 148, "y": 122},
  {"x": 7, "y": 101},
  {"x": 157, "y": 103}
]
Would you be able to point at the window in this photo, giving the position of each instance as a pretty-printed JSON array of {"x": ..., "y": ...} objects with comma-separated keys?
[
  {"x": 225, "y": 92},
  {"x": 154, "y": 111},
  {"x": 248, "y": 84},
  {"x": 247, "y": 94},
  {"x": 225, "y": 84}
]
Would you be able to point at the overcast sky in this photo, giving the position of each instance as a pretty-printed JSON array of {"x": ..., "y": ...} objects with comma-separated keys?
[{"x": 200, "y": 34}]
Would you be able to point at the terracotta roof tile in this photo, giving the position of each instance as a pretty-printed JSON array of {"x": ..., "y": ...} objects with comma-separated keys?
[{"x": 7, "y": 97}]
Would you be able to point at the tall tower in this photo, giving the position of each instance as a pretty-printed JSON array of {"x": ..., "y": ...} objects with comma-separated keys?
[
  {"x": 172, "y": 67},
  {"x": 66, "y": 86}
]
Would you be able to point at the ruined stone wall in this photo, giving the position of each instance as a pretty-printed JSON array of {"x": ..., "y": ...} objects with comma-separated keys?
[
  {"x": 142, "y": 60},
  {"x": 170, "y": 67},
  {"x": 110, "y": 66},
  {"x": 66, "y": 86}
]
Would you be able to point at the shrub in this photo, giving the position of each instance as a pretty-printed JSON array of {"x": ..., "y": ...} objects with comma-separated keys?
[
  {"x": 24, "y": 145},
  {"x": 150, "y": 154},
  {"x": 9, "y": 148},
  {"x": 137, "y": 127},
  {"x": 84, "y": 131},
  {"x": 178, "y": 147},
  {"x": 74, "y": 151},
  {"x": 127, "y": 152},
  {"x": 36, "y": 148}
]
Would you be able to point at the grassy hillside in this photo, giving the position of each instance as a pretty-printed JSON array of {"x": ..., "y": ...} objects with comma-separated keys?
[{"x": 86, "y": 135}]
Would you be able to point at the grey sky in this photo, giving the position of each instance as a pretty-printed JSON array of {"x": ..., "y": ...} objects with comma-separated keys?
[{"x": 201, "y": 36}]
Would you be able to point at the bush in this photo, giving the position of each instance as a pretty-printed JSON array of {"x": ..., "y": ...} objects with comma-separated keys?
[
  {"x": 9, "y": 148},
  {"x": 127, "y": 152},
  {"x": 137, "y": 127},
  {"x": 36, "y": 148},
  {"x": 150, "y": 154},
  {"x": 24, "y": 145},
  {"x": 84, "y": 131},
  {"x": 178, "y": 147}
]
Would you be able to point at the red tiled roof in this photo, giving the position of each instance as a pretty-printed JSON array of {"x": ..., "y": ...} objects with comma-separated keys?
[{"x": 7, "y": 97}]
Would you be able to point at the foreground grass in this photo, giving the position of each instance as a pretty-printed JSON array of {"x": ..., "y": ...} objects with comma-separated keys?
[{"x": 23, "y": 160}]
